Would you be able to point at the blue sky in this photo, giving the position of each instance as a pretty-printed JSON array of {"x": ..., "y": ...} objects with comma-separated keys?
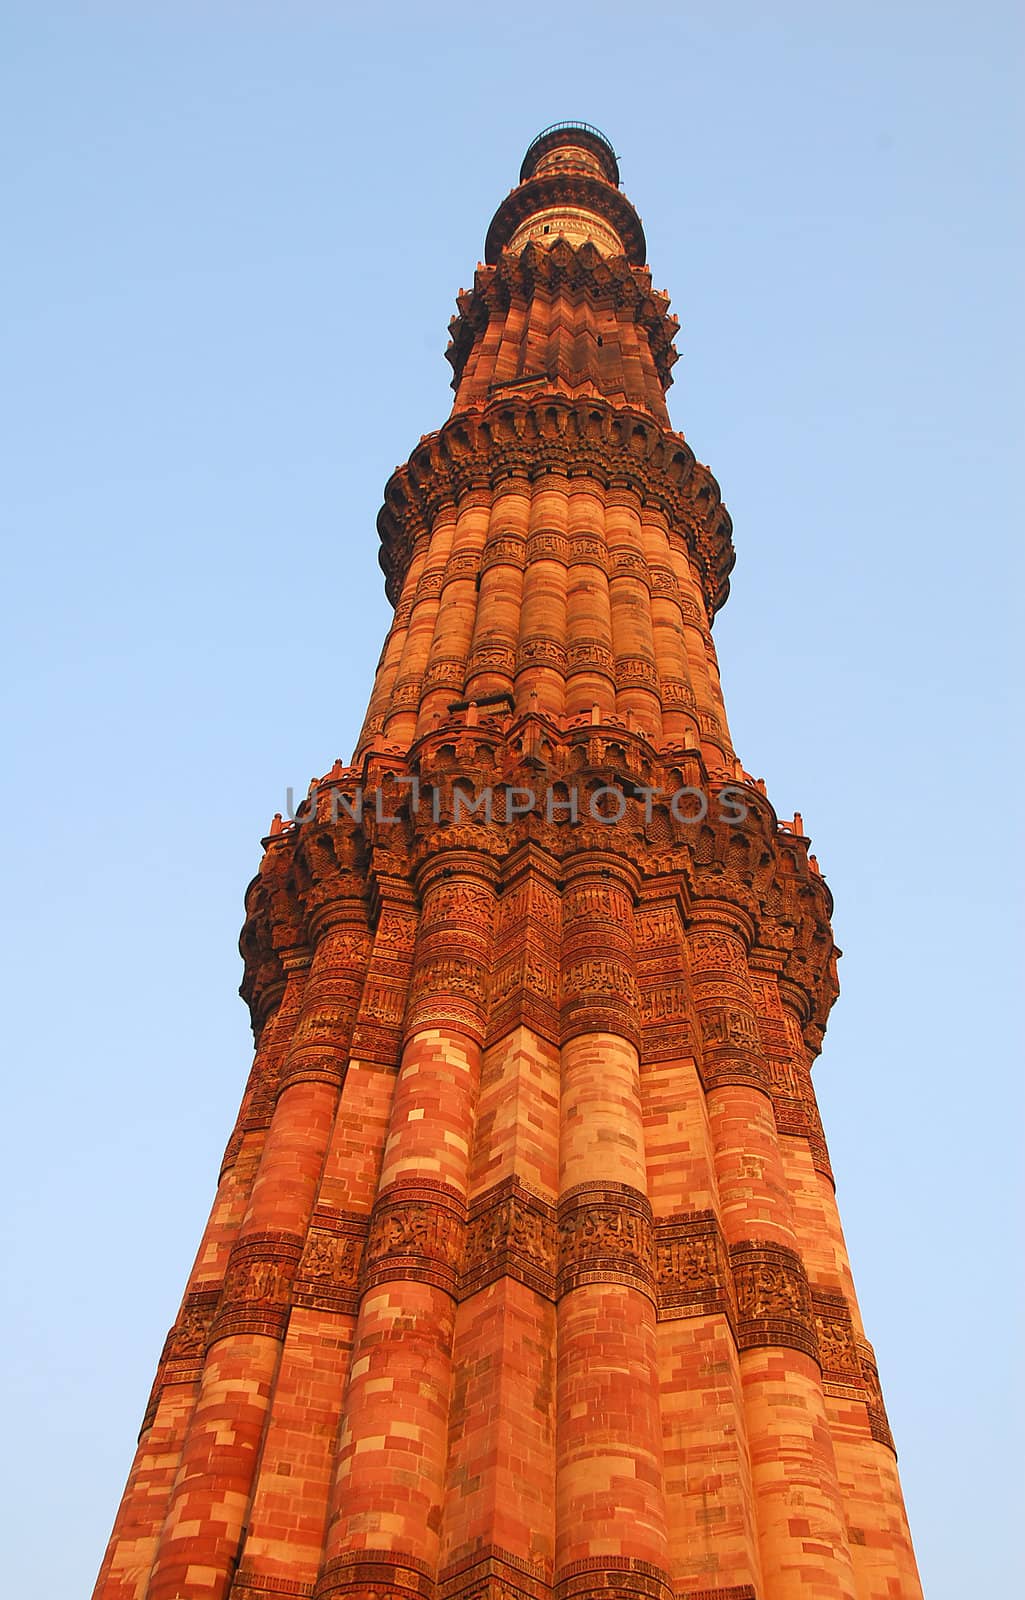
[{"x": 234, "y": 234}]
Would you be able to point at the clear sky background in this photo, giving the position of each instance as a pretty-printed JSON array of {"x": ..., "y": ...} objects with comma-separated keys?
[{"x": 233, "y": 237}]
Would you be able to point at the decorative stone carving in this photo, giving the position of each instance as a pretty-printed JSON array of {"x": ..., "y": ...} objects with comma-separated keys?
[
  {"x": 877, "y": 1419},
  {"x": 675, "y": 693},
  {"x": 548, "y": 546},
  {"x": 257, "y": 1289},
  {"x": 505, "y": 550},
  {"x": 590, "y": 655},
  {"x": 417, "y": 1231},
  {"x": 612, "y": 1578},
  {"x": 250, "y": 1585},
  {"x": 772, "y": 1296},
  {"x": 511, "y": 1233},
  {"x": 542, "y": 651},
  {"x": 589, "y": 550},
  {"x": 375, "y": 1575},
  {"x": 606, "y": 1235},
  {"x": 328, "y": 1275},
  {"x": 515, "y": 432},
  {"x": 492, "y": 658},
  {"x": 838, "y": 1349},
  {"x": 692, "y": 1266},
  {"x": 636, "y": 672}
]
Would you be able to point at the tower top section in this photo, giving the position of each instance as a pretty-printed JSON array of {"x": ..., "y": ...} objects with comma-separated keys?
[
  {"x": 568, "y": 144},
  {"x": 568, "y": 189}
]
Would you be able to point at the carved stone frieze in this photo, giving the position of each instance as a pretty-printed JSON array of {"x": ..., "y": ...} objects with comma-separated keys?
[
  {"x": 665, "y": 1030},
  {"x": 612, "y": 1578},
  {"x": 505, "y": 549},
  {"x": 524, "y": 990},
  {"x": 375, "y": 1575},
  {"x": 663, "y": 580},
  {"x": 636, "y": 672},
  {"x": 590, "y": 655},
  {"x": 675, "y": 693},
  {"x": 181, "y": 1360},
  {"x": 606, "y": 1235},
  {"x": 626, "y": 562},
  {"x": 405, "y": 694},
  {"x": 512, "y": 1233},
  {"x": 692, "y": 1267},
  {"x": 772, "y": 1296},
  {"x": 248, "y": 1584},
  {"x": 487, "y": 657},
  {"x": 838, "y": 1348},
  {"x": 188, "y": 1338},
  {"x": 877, "y": 1419},
  {"x": 444, "y": 673},
  {"x": 731, "y": 1024},
  {"x": 514, "y": 434},
  {"x": 711, "y": 951},
  {"x": 430, "y": 584},
  {"x": 548, "y": 545},
  {"x": 462, "y": 565},
  {"x": 328, "y": 1275},
  {"x": 589, "y": 550},
  {"x": 492, "y": 1573},
  {"x": 417, "y": 1231},
  {"x": 599, "y": 995},
  {"x": 541, "y": 651},
  {"x": 257, "y": 1290}
]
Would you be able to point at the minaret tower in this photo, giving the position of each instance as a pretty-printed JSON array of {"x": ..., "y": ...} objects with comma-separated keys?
[{"x": 524, "y": 1279}]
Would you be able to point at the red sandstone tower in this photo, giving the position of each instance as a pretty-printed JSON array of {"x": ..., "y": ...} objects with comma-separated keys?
[{"x": 524, "y": 1279}]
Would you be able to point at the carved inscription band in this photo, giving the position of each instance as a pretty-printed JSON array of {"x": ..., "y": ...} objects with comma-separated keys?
[
  {"x": 773, "y": 1298},
  {"x": 257, "y": 1293},
  {"x": 375, "y": 1575},
  {"x": 612, "y": 1578},
  {"x": 606, "y": 1235},
  {"x": 598, "y": 1234},
  {"x": 417, "y": 1232}
]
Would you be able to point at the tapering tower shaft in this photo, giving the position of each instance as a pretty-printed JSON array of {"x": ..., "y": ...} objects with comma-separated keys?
[{"x": 524, "y": 1278}]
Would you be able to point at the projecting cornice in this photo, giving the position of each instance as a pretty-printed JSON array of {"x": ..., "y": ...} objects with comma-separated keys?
[
  {"x": 572, "y": 189},
  {"x": 618, "y": 446},
  {"x": 755, "y": 877}
]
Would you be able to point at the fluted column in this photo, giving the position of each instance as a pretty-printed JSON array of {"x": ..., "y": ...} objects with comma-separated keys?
[
  {"x": 199, "y": 1546},
  {"x": 590, "y": 664},
  {"x": 400, "y": 716},
  {"x": 637, "y": 683},
  {"x": 285, "y": 1527},
  {"x": 679, "y": 711},
  {"x": 392, "y": 1448},
  {"x": 133, "y": 1542},
  {"x": 445, "y": 674},
  {"x": 391, "y": 658},
  {"x": 797, "y": 1492},
  {"x": 492, "y": 665},
  {"x": 541, "y": 661},
  {"x": 611, "y": 1515},
  {"x": 713, "y": 1535},
  {"x": 498, "y": 1520},
  {"x": 708, "y": 704},
  {"x": 880, "y": 1539}
]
